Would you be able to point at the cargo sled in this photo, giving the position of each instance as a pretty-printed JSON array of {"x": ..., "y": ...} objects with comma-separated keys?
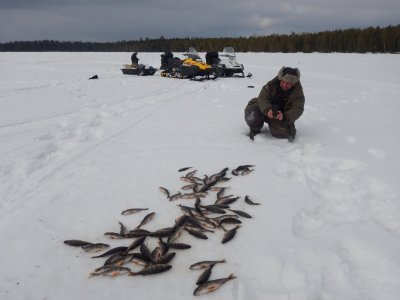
[
  {"x": 225, "y": 64},
  {"x": 138, "y": 69},
  {"x": 192, "y": 67}
]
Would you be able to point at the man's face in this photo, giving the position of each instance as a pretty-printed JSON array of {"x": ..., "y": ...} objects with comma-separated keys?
[{"x": 285, "y": 86}]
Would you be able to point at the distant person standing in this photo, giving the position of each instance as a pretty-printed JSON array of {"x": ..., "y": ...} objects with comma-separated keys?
[
  {"x": 279, "y": 104},
  {"x": 134, "y": 59}
]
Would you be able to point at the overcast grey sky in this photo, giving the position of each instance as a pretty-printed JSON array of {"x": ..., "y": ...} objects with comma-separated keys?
[{"x": 115, "y": 20}]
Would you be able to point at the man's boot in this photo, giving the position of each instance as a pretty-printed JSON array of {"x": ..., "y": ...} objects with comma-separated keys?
[{"x": 253, "y": 133}]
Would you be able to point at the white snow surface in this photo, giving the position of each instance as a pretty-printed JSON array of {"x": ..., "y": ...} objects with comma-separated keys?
[{"x": 75, "y": 153}]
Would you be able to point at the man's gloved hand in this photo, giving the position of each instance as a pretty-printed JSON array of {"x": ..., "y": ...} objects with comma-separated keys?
[{"x": 279, "y": 115}]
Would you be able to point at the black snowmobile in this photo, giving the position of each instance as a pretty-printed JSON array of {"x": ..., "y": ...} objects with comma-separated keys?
[
  {"x": 225, "y": 64},
  {"x": 192, "y": 67}
]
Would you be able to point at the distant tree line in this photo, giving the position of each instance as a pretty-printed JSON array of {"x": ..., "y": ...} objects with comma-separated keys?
[{"x": 371, "y": 39}]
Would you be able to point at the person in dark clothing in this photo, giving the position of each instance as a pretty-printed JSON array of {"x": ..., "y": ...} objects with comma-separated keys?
[
  {"x": 134, "y": 59},
  {"x": 166, "y": 60},
  {"x": 279, "y": 104}
]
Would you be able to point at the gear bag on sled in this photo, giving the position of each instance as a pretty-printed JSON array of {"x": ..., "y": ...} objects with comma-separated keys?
[
  {"x": 137, "y": 69},
  {"x": 191, "y": 67},
  {"x": 141, "y": 70}
]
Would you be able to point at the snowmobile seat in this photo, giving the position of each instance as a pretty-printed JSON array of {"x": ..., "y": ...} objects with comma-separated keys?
[{"x": 212, "y": 58}]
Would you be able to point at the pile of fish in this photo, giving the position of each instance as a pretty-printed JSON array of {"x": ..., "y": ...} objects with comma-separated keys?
[{"x": 198, "y": 220}]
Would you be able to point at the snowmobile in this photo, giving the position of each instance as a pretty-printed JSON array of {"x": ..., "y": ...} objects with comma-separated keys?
[
  {"x": 192, "y": 67},
  {"x": 225, "y": 64},
  {"x": 138, "y": 69}
]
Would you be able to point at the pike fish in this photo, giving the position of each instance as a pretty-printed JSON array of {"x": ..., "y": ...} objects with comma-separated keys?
[
  {"x": 192, "y": 227},
  {"x": 165, "y": 191},
  {"x": 114, "y": 235},
  {"x": 180, "y": 221},
  {"x": 112, "y": 259},
  {"x": 205, "y": 264},
  {"x": 132, "y": 211},
  {"x": 175, "y": 196},
  {"x": 95, "y": 247},
  {"x": 152, "y": 269},
  {"x": 208, "y": 186},
  {"x": 76, "y": 243},
  {"x": 156, "y": 253},
  {"x": 138, "y": 232},
  {"x": 226, "y": 216},
  {"x": 242, "y": 170},
  {"x": 188, "y": 179},
  {"x": 136, "y": 243},
  {"x": 224, "y": 179},
  {"x": 223, "y": 206},
  {"x": 145, "y": 251},
  {"x": 117, "y": 261},
  {"x": 112, "y": 251},
  {"x": 248, "y": 201},
  {"x": 139, "y": 260},
  {"x": 218, "y": 176},
  {"x": 212, "y": 285},
  {"x": 214, "y": 209},
  {"x": 146, "y": 219},
  {"x": 184, "y": 169},
  {"x": 175, "y": 235},
  {"x": 230, "y": 220},
  {"x": 197, "y": 206},
  {"x": 191, "y": 174},
  {"x": 241, "y": 213},
  {"x": 194, "y": 195},
  {"x": 246, "y": 172},
  {"x": 112, "y": 271},
  {"x": 229, "y": 234},
  {"x": 235, "y": 172},
  {"x": 176, "y": 232},
  {"x": 163, "y": 246},
  {"x": 205, "y": 275},
  {"x": 163, "y": 232},
  {"x": 166, "y": 258},
  {"x": 123, "y": 230},
  {"x": 177, "y": 245},
  {"x": 186, "y": 209},
  {"x": 244, "y": 167},
  {"x": 195, "y": 222},
  {"x": 218, "y": 189},
  {"x": 196, "y": 233},
  {"x": 189, "y": 186},
  {"x": 221, "y": 192},
  {"x": 226, "y": 200}
]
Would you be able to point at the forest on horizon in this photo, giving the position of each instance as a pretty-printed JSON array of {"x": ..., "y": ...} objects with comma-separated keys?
[{"x": 353, "y": 40}]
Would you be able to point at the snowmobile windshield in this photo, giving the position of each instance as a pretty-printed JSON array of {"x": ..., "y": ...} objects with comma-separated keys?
[
  {"x": 193, "y": 54},
  {"x": 229, "y": 50}
]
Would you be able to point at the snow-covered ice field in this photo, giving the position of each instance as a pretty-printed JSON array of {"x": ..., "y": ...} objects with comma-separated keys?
[{"x": 75, "y": 153}]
